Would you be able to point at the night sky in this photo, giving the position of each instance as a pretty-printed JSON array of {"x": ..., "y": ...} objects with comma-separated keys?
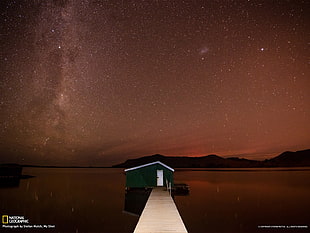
[{"x": 89, "y": 82}]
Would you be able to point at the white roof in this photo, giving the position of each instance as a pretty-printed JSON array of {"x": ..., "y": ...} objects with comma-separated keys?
[{"x": 149, "y": 164}]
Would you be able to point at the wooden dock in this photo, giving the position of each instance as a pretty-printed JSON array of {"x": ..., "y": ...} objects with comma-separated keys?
[{"x": 160, "y": 214}]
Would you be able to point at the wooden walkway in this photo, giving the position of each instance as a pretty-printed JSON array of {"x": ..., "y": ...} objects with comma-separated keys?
[{"x": 160, "y": 214}]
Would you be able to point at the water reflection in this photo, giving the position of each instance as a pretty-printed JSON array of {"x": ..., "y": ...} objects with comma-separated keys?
[
  {"x": 244, "y": 200},
  {"x": 135, "y": 200},
  {"x": 10, "y": 175},
  {"x": 74, "y": 200},
  {"x": 93, "y": 200},
  {"x": 13, "y": 182},
  {"x": 180, "y": 190},
  {"x": 9, "y": 183}
]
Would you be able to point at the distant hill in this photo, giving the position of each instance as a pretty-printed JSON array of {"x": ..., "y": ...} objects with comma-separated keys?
[
  {"x": 286, "y": 159},
  {"x": 290, "y": 159}
]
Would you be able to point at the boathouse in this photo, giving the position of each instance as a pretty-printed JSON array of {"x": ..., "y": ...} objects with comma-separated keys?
[{"x": 149, "y": 175}]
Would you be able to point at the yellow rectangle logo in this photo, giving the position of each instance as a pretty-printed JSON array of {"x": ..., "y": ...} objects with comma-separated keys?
[{"x": 5, "y": 219}]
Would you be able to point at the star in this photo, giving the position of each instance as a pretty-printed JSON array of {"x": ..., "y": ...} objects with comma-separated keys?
[
  {"x": 203, "y": 50},
  {"x": 81, "y": 77}
]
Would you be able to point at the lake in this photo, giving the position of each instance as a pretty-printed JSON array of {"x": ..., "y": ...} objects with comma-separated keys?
[{"x": 225, "y": 200}]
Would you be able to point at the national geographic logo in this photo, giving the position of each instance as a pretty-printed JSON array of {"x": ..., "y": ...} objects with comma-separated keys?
[
  {"x": 21, "y": 222},
  {"x": 5, "y": 219}
]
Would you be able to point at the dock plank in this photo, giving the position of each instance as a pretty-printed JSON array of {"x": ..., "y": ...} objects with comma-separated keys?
[{"x": 160, "y": 214}]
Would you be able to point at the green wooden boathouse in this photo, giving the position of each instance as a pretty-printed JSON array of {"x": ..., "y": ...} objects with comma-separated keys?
[{"x": 149, "y": 175}]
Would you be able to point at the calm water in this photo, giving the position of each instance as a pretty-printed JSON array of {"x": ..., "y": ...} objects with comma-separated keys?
[{"x": 93, "y": 200}]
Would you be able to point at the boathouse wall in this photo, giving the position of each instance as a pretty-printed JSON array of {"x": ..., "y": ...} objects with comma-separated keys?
[{"x": 146, "y": 175}]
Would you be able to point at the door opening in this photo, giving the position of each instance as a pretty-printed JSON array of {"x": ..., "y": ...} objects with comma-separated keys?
[{"x": 160, "y": 178}]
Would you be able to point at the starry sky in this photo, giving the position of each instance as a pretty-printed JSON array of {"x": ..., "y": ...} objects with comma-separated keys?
[{"x": 90, "y": 82}]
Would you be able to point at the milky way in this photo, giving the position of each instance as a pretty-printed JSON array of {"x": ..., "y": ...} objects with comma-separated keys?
[{"x": 96, "y": 82}]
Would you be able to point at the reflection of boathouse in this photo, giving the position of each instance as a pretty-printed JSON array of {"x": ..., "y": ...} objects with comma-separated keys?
[
  {"x": 149, "y": 175},
  {"x": 135, "y": 201}
]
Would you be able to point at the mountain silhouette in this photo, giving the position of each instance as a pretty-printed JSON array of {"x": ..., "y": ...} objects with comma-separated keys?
[
  {"x": 290, "y": 159},
  {"x": 286, "y": 159}
]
